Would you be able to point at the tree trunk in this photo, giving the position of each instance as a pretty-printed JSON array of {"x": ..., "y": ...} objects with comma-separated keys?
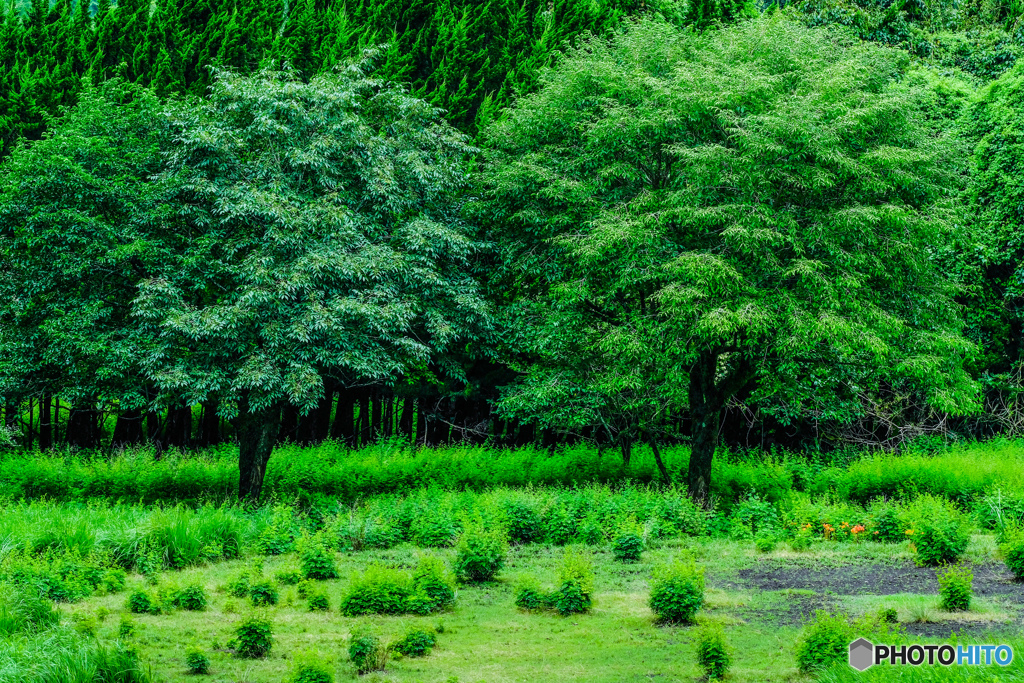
[
  {"x": 626, "y": 444},
  {"x": 178, "y": 430},
  {"x": 289, "y": 424},
  {"x": 707, "y": 402},
  {"x": 127, "y": 428},
  {"x": 344, "y": 427},
  {"x": 211, "y": 423},
  {"x": 421, "y": 423},
  {"x": 45, "y": 424},
  {"x": 84, "y": 428},
  {"x": 364, "y": 419},
  {"x": 657, "y": 459},
  {"x": 378, "y": 413},
  {"x": 257, "y": 434},
  {"x": 405, "y": 420}
]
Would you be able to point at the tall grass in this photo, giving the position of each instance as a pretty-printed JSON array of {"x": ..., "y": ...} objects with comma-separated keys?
[
  {"x": 60, "y": 656},
  {"x": 961, "y": 473}
]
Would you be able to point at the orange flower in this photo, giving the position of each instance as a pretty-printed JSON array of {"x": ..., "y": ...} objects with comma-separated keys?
[
  {"x": 857, "y": 529},
  {"x": 909, "y": 531}
]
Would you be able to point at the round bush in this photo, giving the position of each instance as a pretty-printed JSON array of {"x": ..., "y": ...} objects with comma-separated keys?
[
  {"x": 318, "y": 603},
  {"x": 367, "y": 653},
  {"x": 263, "y": 594},
  {"x": 317, "y": 563},
  {"x": 524, "y": 524},
  {"x": 941, "y": 541},
  {"x": 253, "y": 638},
  {"x": 628, "y": 547},
  {"x": 765, "y": 543},
  {"x": 191, "y": 598},
  {"x": 196, "y": 661},
  {"x": 416, "y": 643},
  {"x": 140, "y": 602},
  {"x": 824, "y": 642},
  {"x": 677, "y": 593},
  {"x": 479, "y": 555}
]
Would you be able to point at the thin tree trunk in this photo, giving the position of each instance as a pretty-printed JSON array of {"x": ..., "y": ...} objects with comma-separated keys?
[
  {"x": 376, "y": 422},
  {"x": 211, "y": 423},
  {"x": 364, "y": 419},
  {"x": 45, "y": 424},
  {"x": 83, "y": 428},
  {"x": 344, "y": 427},
  {"x": 626, "y": 444},
  {"x": 405, "y": 420},
  {"x": 421, "y": 423},
  {"x": 657, "y": 459},
  {"x": 257, "y": 434},
  {"x": 127, "y": 428}
]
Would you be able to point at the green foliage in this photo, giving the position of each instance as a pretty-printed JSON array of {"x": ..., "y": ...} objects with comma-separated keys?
[
  {"x": 955, "y": 588},
  {"x": 317, "y": 562},
  {"x": 479, "y": 554},
  {"x": 529, "y": 596},
  {"x": 712, "y": 651},
  {"x": 941, "y": 540},
  {"x": 192, "y": 598},
  {"x": 824, "y": 642},
  {"x": 254, "y": 637},
  {"x": 196, "y": 661},
  {"x": 263, "y": 594},
  {"x": 126, "y": 627},
  {"x": 383, "y": 590},
  {"x": 24, "y": 610},
  {"x": 647, "y": 278},
  {"x": 575, "y": 583},
  {"x": 288, "y": 577},
  {"x": 141, "y": 602},
  {"x": 367, "y": 653},
  {"x": 677, "y": 592},
  {"x": 888, "y": 616},
  {"x": 628, "y": 547},
  {"x": 523, "y": 523},
  {"x": 765, "y": 542},
  {"x": 311, "y": 668},
  {"x": 318, "y": 602},
  {"x": 1013, "y": 552},
  {"x": 415, "y": 643}
]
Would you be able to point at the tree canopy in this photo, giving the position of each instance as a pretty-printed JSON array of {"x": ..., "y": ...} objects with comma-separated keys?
[{"x": 689, "y": 216}]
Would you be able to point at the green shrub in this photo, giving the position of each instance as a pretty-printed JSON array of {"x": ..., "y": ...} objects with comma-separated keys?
[
  {"x": 888, "y": 616},
  {"x": 434, "y": 531},
  {"x": 885, "y": 525},
  {"x": 288, "y": 577},
  {"x": 434, "y": 586},
  {"x": 318, "y": 602},
  {"x": 824, "y": 642},
  {"x": 191, "y": 598},
  {"x": 765, "y": 542},
  {"x": 955, "y": 588},
  {"x": 253, "y": 638},
  {"x": 379, "y": 590},
  {"x": 575, "y": 583},
  {"x": 628, "y": 547},
  {"x": 310, "y": 668},
  {"x": 524, "y": 524},
  {"x": 196, "y": 661},
  {"x": 238, "y": 586},
  {"x": 712, "y": 652},
  {"x": 802, "y": 540},
  {"x": 529, "y": 596},
  {"x": 141, "y": 602},
  {"x": 416, "y": 643},
  {"x": 367, "y": 653},
  {"x": 480, "y": 555},
  {"x": 317, "y": 562},
  {"x": 114, "y": 580},
  {"x": 1013, "y": 552},
  {"x": 941, "y": 541},
  {"x": 677, "y": 592},
  {"x": 263, "y": 594},
  {"x": 126, "y": 627}
]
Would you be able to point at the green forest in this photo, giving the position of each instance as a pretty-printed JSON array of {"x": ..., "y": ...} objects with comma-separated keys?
[{"x": 437, "y": 341}]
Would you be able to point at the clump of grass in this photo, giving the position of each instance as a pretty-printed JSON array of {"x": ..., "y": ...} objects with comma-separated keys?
[
  {"x": 824, "y": 642},
  {"x": 368, "y": 653},
  {"x": 196, "y": 661}
]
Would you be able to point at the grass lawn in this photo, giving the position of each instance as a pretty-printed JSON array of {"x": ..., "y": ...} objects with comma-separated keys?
[{"x": 762, "y": 599}]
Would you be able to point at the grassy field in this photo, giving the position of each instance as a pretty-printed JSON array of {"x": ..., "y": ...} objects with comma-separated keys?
[
  {"x": 485, "y": 638},
  {"x": 789, "y": 538}
]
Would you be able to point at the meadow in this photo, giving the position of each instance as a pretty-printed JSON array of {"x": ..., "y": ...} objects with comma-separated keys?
[{"x": 471, "y": 564}]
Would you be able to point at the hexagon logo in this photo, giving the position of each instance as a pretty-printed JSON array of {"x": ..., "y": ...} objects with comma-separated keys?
[{"x": 862, "y": 654}]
